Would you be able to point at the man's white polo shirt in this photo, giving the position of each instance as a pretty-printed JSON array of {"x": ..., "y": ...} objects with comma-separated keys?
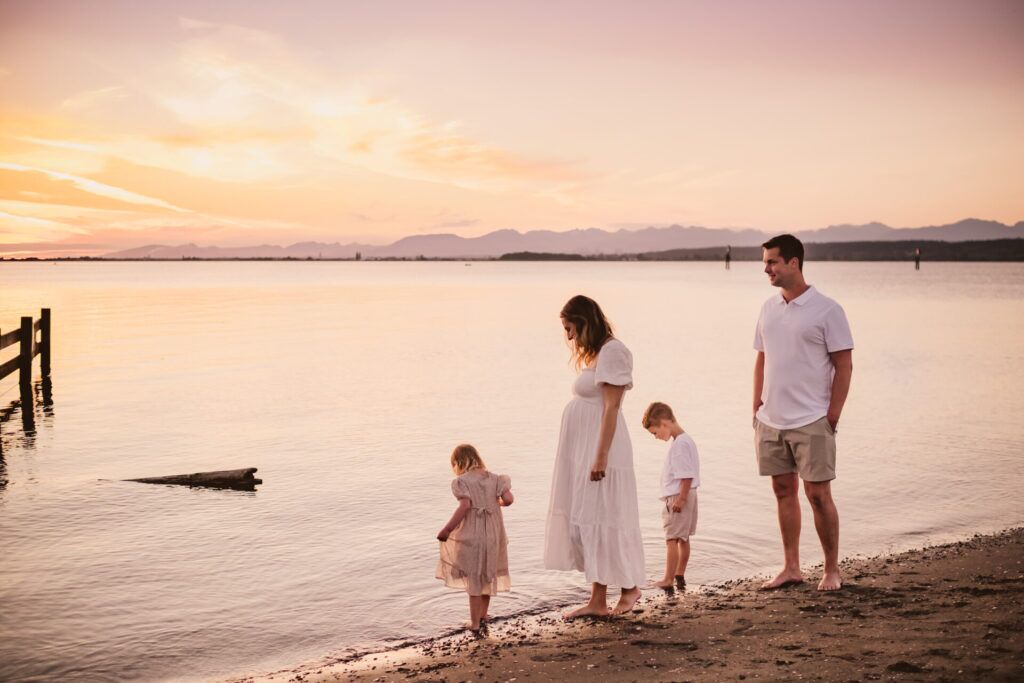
[{"x": 796, "y": 339}]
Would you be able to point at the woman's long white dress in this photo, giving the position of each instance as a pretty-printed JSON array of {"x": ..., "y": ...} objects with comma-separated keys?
[{"x": 594, "y": 526}]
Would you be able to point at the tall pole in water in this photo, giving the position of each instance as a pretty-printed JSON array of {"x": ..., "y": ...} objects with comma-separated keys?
[
  {"x": 46, "y": 335},
  {"x": 28, "y": 343}
]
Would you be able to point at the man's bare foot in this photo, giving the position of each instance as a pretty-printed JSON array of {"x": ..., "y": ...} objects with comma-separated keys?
[
  {"x": 587, "y": 610},
  {"x": 664, "y": 584},
  {"x": 831, "y": 581},
  {"x": 627, "y": 601},
  {"x": 782, "y": 580}
]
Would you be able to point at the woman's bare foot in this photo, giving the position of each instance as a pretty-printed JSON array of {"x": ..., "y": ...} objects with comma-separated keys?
[
  {"x": 784, "y": 579},
  {"x": 831, "y": 581},
  {"x": 587, "y": 610},
  {"x": 627, "y": 601}
]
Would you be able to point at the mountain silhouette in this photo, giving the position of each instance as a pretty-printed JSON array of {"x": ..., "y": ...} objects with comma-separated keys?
[{"x": 589, "y": 241}]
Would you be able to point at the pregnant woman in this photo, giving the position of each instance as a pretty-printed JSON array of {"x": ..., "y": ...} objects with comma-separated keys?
[{"x": 593, "y": 521}]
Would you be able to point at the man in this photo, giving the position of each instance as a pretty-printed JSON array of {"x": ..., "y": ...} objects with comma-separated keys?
[{"x": 801, "y": 380}]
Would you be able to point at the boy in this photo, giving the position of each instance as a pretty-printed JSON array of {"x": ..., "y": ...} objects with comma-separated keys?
[{"x": 680, "y": 479}]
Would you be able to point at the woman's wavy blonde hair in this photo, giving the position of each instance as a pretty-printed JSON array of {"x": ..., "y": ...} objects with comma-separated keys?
[
  {"x": 592, "y": 328},
  {"x": 466, "y": 458}
]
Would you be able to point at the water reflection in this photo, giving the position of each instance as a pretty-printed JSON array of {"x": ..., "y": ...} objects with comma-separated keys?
[
  {"x": 42, "y": 394},
  {"x": 173, "y": 368}
]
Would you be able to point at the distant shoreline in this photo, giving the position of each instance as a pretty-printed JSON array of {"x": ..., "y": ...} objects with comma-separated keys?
[{"x": 999, "y": 250}]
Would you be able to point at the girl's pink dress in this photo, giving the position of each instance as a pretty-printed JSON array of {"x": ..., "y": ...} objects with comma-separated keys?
[{"x": 475, "y": 556}]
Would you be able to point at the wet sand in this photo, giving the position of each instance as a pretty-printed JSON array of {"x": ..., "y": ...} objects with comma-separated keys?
[{"x": 951, "y": 612}]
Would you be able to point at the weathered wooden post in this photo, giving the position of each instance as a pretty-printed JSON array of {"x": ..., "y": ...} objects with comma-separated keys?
[
  {"x": 28, "y": 339},
  {"x": 44, "y": 342}
]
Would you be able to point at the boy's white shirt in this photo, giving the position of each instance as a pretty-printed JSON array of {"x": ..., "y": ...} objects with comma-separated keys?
[{"x": 681, "y": 462}]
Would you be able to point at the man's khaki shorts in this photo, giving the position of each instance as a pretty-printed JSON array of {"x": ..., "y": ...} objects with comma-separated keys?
[
  {"x": 680, "y": 524},
  {"x": 809, "y": 450}
]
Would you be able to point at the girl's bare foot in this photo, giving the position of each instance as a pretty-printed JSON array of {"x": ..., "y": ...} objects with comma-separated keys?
[
  {"x": 587, "y": 610},
  {"x": 627, "y": 601},
  {"x": 664, "y": 584}
]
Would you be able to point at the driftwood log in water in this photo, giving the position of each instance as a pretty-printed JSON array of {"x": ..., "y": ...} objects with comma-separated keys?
[{"x": 226, "y": 479}]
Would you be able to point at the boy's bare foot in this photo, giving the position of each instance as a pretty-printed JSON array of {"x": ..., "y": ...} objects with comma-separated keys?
[
  {"x": 587, "y": 610},
  {"x": 831, "y": 581},
  {"x": 782, "y": 580},
  {"x": 627, "y": 601},
  {"x": 664, "y": 584}
]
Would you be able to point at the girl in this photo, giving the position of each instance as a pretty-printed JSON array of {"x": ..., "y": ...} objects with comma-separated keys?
[{"x": 474, "y": 553}]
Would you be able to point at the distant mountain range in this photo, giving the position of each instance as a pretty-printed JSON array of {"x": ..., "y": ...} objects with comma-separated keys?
[{"x": 587, "y": 242}]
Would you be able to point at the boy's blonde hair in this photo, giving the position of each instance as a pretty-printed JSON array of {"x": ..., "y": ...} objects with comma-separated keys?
[
  {"x": 466, "y": 458},
  {"x": 655, "y": 413}
]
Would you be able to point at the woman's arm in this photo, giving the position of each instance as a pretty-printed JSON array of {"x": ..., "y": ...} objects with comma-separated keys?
[
  {"x": 456, "y": 520},
  {"x": 609, "y": 418}
]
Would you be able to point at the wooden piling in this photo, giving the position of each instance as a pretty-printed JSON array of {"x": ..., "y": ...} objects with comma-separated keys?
[
  {"x": 45, "y": 334},
  {"x": 28, "y": 339}
]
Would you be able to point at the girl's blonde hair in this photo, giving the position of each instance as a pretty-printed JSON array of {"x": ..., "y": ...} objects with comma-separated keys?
[
  {"x": 592, "y": 328},
  {"x": 466, "y": 458}
]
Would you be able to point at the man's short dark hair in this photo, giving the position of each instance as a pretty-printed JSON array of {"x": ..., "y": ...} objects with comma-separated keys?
[{"x": 789, "y": 248}]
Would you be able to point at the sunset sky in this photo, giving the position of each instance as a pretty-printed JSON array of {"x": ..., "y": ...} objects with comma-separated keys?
[{"x": 239, "y": 122}]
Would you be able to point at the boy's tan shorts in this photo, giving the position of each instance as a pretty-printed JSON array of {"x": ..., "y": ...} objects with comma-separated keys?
[
  {"x": 679, "y": 525},
  {"x": 809, "y": 450}
]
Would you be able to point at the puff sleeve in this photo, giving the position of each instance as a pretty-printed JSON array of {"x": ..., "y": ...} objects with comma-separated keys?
[
  {"x": 615, "y": 365},
  {"x": 459, "y": 489},
  {"x": 504, "y": 483}
]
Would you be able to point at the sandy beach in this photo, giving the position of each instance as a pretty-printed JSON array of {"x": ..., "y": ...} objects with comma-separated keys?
[{"x": 946, "y": 612}]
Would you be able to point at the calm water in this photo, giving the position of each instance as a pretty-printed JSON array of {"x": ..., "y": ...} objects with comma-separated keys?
[{"x": 347, "y": 384}]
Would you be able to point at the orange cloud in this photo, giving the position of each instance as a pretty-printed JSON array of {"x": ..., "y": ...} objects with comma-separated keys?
[
  {"x": 25, "y": 182},
  {"x": 456, "y": 157}
]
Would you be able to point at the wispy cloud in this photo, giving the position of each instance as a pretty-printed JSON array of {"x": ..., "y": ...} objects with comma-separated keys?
[
  {"x": 92, "y": 186},
  {"x": 28, "y": 221},
  {"x": 93, "y": 98},
  {"x": 249, "y": 109},
  {"x": 467, "y": 223},
  {"x": 49, "y": 249}
]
